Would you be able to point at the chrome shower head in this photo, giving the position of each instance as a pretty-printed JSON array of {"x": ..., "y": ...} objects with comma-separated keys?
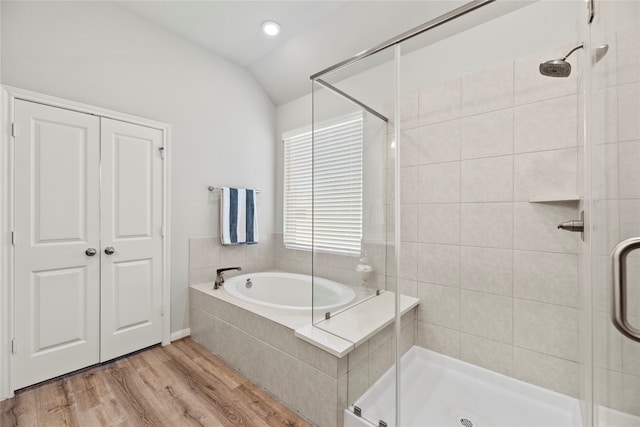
[
  {"x": 558, "y": 67},
  {"x": 555, "y": 68}
]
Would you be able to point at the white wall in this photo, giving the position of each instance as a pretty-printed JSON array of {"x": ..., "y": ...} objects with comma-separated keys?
[
  {"x": 545, "y": 24},
  {"x": 222, "y": 121}
]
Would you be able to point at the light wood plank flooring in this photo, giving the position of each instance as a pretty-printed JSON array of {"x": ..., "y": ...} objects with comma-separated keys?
[{"x": 181, "y": 384}]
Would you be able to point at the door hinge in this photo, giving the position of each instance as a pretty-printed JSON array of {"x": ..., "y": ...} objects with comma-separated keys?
[
  {"x": 162, "y": 231},
  {"x": 161, "y": 152},
  {"x": 162, "y": 310},
  {"x": 13, "y": 130},
  {"x": 13, "y": 238},
  {"x": 14, "y": 346}
]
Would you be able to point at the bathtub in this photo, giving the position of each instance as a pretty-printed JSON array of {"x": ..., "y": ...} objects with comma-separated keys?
[
  {"x": 290, "y": 291},
  {"x": 253, "y": 329}
]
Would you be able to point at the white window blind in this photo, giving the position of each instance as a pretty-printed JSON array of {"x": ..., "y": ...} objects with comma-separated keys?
[{"x": 337, "y": 157}]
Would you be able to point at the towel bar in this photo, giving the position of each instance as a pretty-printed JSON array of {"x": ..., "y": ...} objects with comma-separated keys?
[{"x": 212, "y": 188}]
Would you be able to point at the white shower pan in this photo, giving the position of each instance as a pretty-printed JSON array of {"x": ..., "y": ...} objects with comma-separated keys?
[{"x": 440, "y": 391}]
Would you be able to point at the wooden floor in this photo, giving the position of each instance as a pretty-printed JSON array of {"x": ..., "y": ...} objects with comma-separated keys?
[{"x": 181, "y": 384}]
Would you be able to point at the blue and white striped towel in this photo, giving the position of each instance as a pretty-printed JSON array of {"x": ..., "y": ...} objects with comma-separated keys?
[{"x": 238, "y": 216}]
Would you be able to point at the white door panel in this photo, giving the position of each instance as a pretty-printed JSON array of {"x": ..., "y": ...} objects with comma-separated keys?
[
  {"x": 57, "y": 325},
  {"x": 131, "y": 224},
  {"x": 56, "y": 221}
]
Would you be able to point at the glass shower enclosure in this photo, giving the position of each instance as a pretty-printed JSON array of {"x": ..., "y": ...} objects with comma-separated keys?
[{"x": 443, "y": 163}]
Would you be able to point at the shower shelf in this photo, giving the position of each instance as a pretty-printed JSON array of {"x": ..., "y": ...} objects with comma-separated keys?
[{"x": 552, "y": 199}]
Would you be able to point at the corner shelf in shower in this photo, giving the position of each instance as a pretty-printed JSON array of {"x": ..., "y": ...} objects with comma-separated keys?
[{"x": 555, "y": 199}]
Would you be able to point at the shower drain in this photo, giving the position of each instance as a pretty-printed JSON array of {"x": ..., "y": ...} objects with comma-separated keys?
[{"x": 465, "y": 422}]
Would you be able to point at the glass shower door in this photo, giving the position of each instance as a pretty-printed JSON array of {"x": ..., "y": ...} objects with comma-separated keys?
[{"x": 615, "y": 190}]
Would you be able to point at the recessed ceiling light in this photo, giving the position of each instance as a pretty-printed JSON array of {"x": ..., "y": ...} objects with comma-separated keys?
[{"x": 271, "y": 28}]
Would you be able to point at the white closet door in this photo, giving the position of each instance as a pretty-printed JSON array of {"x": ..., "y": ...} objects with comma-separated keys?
[
  {"x": 56, "y": 223},
  {"x": 131, "y": 220}
]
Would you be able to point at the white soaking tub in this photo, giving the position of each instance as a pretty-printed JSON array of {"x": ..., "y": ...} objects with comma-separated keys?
[{"x": 290, "y": 291}]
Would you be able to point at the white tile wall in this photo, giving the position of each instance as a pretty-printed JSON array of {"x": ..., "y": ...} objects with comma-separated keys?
[
  {"x": 487, "y": 180},
  {"x": 487, "y": 270},
  {"x": 497, "y": 279},
  {"x": 441, "y": 102},
  {"x": 409, "y": 114},
  {"x": 408, "y": 185},
  {"x": 606, "y": 106},
  {"x": 439, "y": 264},
  {"x": 546, "y": 125},
  {"x": 545, "y": 173},
  {"x": 628, "y": 112},
  {"x": 546, "y": 277},
  {"x": 440, "y": 339},
  {"x": 546, "y": 328},
  {"x": 409, "y": 223},
  {"x": 409, "y": 260},
  {"x": 439, "y": 183},
  {"x": 547, "y": 371},
  {"x": 487, "y": 354},
  {"x": 439, "y": 143},
  {"x": 486, "y": 315},
  {"x": 440, "y": 305},
  {"x": 628, "y": 161},
  {"x": 488, "y": 90},
  {"x": 487, "y": 225},
  {"x": 412, "y": 147},
  {"x": 628, "y": 60},
  {"x": 485, "y": 135},
  {"x": 439, "y": 223}
]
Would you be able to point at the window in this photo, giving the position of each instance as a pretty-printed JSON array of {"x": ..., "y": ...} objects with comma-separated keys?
[{"x": 338, "y": 188}]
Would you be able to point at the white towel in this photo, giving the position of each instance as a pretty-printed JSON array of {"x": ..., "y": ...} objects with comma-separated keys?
[{"x": 238, "y": 216}]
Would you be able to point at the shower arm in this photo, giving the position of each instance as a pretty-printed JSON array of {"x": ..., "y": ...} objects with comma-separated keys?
[{"x": 580, "y": 46}]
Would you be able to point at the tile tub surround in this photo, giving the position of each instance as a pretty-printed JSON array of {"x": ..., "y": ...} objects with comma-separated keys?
[
  {"x": 311, "y": 381},
  {"x": 497, "y": 281},
  {"x": 206, "y": 254}
]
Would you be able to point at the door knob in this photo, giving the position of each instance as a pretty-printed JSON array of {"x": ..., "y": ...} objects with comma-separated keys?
[
  {"x": 90, "y": 252},
  {"x": 109, "y": 250}
]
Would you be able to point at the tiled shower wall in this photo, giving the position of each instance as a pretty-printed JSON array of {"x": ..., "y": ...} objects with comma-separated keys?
[{"x": 496, "y": 279}]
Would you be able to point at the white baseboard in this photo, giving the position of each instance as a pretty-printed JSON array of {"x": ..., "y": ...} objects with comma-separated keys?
[{"x": 180, "y": 334}]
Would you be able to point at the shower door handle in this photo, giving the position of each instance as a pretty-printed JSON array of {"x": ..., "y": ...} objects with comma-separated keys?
[{"x": 620, "y": 300}]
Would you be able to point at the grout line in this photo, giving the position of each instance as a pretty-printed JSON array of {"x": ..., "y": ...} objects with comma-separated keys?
[
  {"x": 512, "y": 107},
  {"x": 512, "y": 153}
]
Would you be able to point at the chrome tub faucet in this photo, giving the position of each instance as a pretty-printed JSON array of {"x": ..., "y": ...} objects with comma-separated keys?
[{"x": 220, "y": 276}]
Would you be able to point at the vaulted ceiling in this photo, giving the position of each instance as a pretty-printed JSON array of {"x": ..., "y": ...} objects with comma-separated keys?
[{"x": 315, "y": 34}]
